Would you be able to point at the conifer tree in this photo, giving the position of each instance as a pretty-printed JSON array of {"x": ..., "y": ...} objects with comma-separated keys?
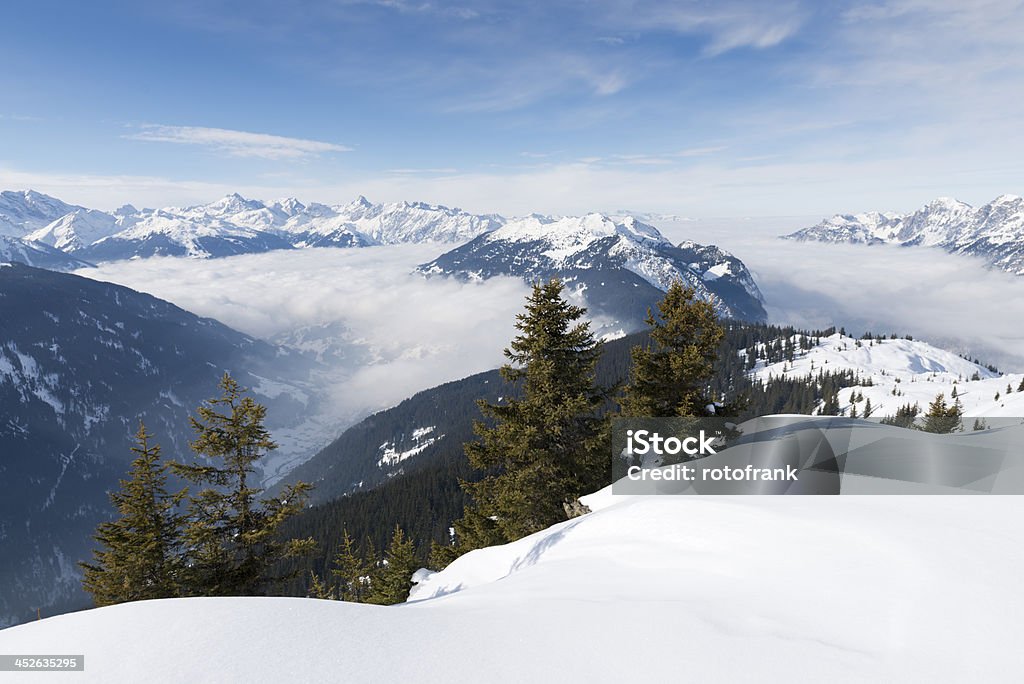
[
  {"x": 830, "y": 405},
  {"x": 231, "y": 534},
  {"x": 350, "y": 571},
  {"x": 905, "y": 416},
  {"x": 548, "y": 445},
  {"x": 319, "y": 589},
  {"x": 1020, "y": 387},
  {"x": 942, "y": 418},
  {"x": 868, "y": 410},
  {"x": 670, "y": 375},
  {"x": 393, "y": 579},
  {"x": 139, "y": 558}
]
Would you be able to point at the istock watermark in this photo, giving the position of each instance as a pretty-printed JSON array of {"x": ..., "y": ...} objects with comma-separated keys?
[
  {"x": 644, "y": 442},
  {"x": 814, "y": 455}
]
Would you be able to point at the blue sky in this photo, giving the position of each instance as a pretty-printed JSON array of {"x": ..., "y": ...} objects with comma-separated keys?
[{"x": 701, "y": 109}]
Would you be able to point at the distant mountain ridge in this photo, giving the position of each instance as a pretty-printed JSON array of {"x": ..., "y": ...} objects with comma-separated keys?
[
  {"x": 620, "y": 265},
  {"x": 32, "y": 223},
  {"x": 993, "y": 231}
]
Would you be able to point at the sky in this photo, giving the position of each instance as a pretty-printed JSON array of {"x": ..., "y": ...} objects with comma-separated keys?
[{"x": 696, "y": 108}]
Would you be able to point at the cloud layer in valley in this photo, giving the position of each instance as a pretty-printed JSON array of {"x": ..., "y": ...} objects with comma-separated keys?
[
  {"x": 949, "y": 300},
  {"x": 388, "y": 333}
]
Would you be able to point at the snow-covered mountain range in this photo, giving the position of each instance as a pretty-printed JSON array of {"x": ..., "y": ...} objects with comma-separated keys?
[
  {"x": 32, "y": 222},
  {"x": 994, "y": 231},
  {"x": 621, "y": 266}
]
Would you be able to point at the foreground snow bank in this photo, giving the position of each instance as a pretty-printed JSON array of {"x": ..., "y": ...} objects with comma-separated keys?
[{"x": 695, "y": 588}]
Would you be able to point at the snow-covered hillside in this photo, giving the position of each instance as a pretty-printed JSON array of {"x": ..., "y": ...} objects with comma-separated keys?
[
  {"x": 707, "y": 589},
  {"x": 900, "y": 372},
  {"x": 994, "y": 231}
]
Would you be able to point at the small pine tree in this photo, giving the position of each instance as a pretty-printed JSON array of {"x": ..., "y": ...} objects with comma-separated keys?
[
  {"x": 830, "y": 406},
  {"x": 996, "y": 397},
  {"x": 319, "y": 589},
  {"x": 979, "y": 424},
  {"x": 232, "y": 535},
  {"x": 942, "y": 418},
  {"x": 1020, "y": 387},
  {"x": 139, "y": 555},
  {"x": 393, "y": 579},
  {"x": 905, "y": 416},
  {"x": 350, "y": 571},
  {"x": 670, "y": 376},
  {"x": 868, "y": 410}
]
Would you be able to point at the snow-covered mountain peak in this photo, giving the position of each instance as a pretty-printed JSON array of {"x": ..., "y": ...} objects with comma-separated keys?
[
  {"x": 1007, "y": 199},
  {"x": 948, "y": 204},
  {"x": 571, "y": 234},
  {"x": 78, "y": 229},
  {"x": 289, "y": 206},
  {"x": 994, "y": 231},
  {"x": 233, "y": 203},
  {"x": 25, "y": 211},
  {"x": 620, "y": 267}
]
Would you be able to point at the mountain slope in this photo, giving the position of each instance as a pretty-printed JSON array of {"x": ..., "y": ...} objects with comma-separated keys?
[
  {"x": 77, "y": 230},
  {"x": 18, "y": 250},
  {"x": 165, "y": 234},
  {"x": 620, "y": 267},
  {"x": 874, "y": 588},
  {"x": 425, "y": 429},
  {"x": 993, "y": 232},
  {"x": 22, "y": 212},
  {"x": 81, "y": 362},
  {"x": 894, "y": 372}
]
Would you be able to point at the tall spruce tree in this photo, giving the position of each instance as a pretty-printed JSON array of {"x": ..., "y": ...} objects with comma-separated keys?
[
  {"x": 392, "y": 579},
  {"x": 671, "y": 374},
  {"x": 139, "y": 555},
  {"x": 231, "y": 535},
  {"x": 548, "y": 445}
]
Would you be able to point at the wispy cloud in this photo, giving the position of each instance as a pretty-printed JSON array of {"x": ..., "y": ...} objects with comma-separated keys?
[
  {"x": 726, "y": 25},
  {"x": 237, "y": 143},
  {"x": 407, "y": 172},
  {"x": 404, "y": 6},
  {"x": 19, "y": 117}
]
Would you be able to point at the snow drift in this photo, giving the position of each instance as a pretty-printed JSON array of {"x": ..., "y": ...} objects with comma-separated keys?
[{"x": 697, "y": 588}]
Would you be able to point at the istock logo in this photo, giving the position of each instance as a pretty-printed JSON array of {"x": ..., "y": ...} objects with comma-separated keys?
[{"x": 646, "y": 442}]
